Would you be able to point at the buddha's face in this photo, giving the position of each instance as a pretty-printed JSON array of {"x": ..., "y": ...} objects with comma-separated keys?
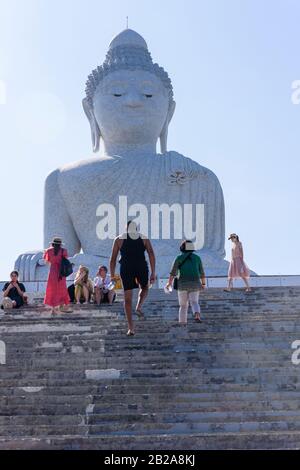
[{"x": 131, "y": 107}]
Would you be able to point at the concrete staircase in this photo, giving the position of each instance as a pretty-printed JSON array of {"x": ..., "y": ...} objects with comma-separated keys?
[{"x": 76, "y": 381}]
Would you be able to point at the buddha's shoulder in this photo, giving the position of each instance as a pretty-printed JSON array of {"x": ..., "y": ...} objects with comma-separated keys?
[
  {"x": 82, "y": 169},
  {"x": 177, "y": 159}
]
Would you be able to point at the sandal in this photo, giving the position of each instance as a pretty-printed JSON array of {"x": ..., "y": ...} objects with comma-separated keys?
[
  {"x": 130, "y": 333},
  {"x": 140, "y": 314},
  {"x": 197, "y": 318}
]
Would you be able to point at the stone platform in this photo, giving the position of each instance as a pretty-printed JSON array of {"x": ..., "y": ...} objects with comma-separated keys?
[{"x": 76, "y": 381}]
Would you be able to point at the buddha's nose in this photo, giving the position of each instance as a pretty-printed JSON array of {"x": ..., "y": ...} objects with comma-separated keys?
[{"x": 133, "y": 100}]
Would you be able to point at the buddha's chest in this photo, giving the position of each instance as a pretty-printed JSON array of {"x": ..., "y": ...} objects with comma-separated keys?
[
  {"x": 151, "y": 183},
  {"x": 113, "y": 193}
]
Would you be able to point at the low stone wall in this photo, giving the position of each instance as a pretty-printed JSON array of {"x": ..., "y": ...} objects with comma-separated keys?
[{"x": 38, "y": 288}]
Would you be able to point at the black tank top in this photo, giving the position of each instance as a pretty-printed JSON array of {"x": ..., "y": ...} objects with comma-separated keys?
[{"x": 132, "y": 252}]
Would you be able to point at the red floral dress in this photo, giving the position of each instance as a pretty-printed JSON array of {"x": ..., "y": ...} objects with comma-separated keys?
[{"x": 56, "y": 291}]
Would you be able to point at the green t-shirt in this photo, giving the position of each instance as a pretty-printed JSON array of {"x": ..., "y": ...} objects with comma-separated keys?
[{"x": 189, "y": 274}]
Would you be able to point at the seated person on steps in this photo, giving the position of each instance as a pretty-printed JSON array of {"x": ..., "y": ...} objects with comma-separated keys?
[
  {"x": 101, "y": 285},
  {"x": 13, "y": 293},
  {"x": 83, "y": 286}
]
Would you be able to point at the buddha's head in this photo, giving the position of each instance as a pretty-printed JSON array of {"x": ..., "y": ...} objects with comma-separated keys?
[{"x": 129, "y": 99}]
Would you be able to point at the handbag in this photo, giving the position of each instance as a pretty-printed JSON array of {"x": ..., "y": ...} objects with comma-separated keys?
[
  {"x": 66, "y": 268},
  {"x": 175, "y": 282}
]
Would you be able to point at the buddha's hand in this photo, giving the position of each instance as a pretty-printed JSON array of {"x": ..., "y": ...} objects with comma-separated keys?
[
  {"x": 26, "y": 265},
  {"x": 83, "y": 259}
]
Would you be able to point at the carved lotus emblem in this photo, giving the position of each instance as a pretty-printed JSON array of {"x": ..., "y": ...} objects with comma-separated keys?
[{"x": 179, "y": 177}]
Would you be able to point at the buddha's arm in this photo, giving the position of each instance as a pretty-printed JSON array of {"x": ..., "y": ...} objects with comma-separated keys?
[
  {"x": 57, "y": 221},
  {"x": 113, "y": 259},
  {"x": 214, "y": 217},
  {"x": 220, "y": 206}
]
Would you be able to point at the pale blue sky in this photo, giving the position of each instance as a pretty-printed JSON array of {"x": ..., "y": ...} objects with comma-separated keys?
[{"x": 232, "y": 64}]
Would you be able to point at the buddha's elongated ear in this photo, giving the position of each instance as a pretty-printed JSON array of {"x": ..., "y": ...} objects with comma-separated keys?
[
  {"x": 95, "y": 131},
  {"x": 164, "y": 133}
]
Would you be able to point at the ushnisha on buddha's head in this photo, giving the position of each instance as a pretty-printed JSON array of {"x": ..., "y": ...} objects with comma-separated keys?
[{"x": 129, "y": 99}]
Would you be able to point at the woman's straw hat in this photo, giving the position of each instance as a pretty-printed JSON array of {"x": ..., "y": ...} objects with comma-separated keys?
[
  {"x": 57, "y": 241},
  {"x": 232, "y": 235}
]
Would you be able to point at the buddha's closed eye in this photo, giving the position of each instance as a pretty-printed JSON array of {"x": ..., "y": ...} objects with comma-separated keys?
[
  {"x": 117, "y": 95},
  {"x": 148, "y": 96}
]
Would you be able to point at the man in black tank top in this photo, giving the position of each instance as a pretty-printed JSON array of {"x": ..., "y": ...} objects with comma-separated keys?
[{"x": 134, "y": 270}]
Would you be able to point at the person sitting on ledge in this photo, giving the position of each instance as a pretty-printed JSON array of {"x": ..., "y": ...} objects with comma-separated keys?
[
  {"x": 13, "y": 293},
  {"x": 102, "y": 292},
  {"x": 83, "y": 286}
]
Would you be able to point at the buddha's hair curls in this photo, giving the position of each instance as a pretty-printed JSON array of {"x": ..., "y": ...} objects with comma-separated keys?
[{"x": 126, "y": 58}]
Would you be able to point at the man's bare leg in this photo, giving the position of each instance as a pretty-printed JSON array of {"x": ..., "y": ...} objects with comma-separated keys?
[
  {"x": 128, "y": 309},
  {"x": 143, "y": 292}
]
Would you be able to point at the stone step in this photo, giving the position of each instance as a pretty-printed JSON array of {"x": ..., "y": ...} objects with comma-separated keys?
[
  {"x": 142, "y": 420},
  {"x": 194, "y": 406},
  {"x": 196, "y": 338},
  {"x": 226, "y": 441},
  {"x": 157, "y": 310},
  {"x": 176, "y": 357},
  {"x": 149, "y": 373},
  {"x": 92, "y": 389},
  {"x": 147, "y": 368},
  {"x": 194, "y": 427},
  {"x": 171, "y": 391},
  {"x": 171, "y": 332},
  {"x": 157, "y": 370},
  {"x": 227, "y": 382},
  {"x": 144, "y": 383},
  {"x": 142, "y": 407},
  {"x": 97, "y": 339},
  {"x": 192, "y": 343},
  {"x": 134, "y": 428},
  {"x": 185, "y": 398},
  {"x": 16, "y": 322},
  {"x": 193, "y": 370},
  {"x": 178, "y": 354}
]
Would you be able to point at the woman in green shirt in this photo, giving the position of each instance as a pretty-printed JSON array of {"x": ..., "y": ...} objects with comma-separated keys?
[{"x": 191, "y": 279}]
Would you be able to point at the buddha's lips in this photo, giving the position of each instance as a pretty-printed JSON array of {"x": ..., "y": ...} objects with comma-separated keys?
[{"x": 135, "y": 111}]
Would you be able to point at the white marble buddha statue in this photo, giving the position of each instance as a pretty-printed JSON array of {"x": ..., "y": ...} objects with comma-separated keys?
[{"x": 129, "y": 104}]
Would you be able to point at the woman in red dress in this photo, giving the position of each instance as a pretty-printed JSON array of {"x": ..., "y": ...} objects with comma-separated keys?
[{"x": 56, "y": 292}]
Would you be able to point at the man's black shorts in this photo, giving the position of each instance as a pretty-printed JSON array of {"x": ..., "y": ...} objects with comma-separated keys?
[{"x": 134, "y": 277}]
